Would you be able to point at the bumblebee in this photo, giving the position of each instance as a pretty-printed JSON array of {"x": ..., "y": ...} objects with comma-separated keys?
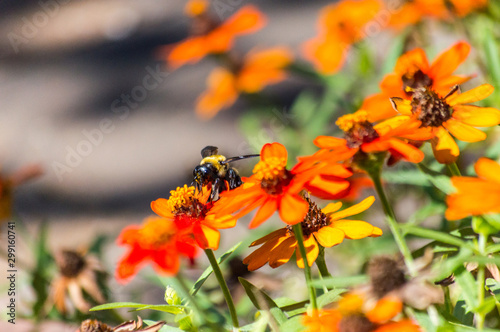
[{"x": 214, "y": 170}]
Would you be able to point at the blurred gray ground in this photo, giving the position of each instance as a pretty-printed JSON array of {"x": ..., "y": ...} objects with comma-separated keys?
[{"x": 66, "y": 66}]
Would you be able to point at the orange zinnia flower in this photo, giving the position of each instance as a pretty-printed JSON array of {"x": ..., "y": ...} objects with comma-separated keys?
[
  {"x": 450, "y": 114},
  {"x": 340, "y": 25},
  {"x": 340, "y": 320},
  {"x": 210, "y": 37},
  {"x": 475, "y": 196},
  {"x": 362, "y": 136},
  {"x": 413, "y": 71},
  {"x": 273, "y": 187},
  {"x": 259, "y": 68},
  {"x": 326, "y": 227},
  {"x": 192, "y": 213},
  {"x": 157, "y": 241}
]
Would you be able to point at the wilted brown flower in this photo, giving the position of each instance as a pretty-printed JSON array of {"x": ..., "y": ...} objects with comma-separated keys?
[
  {"x": 91, "y": 325},
  {"x": 77, "y": 273}
]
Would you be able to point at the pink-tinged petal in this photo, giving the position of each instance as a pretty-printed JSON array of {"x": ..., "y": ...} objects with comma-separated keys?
[
  {"x": 467, "y": 97},
  {"x": 329, "y": 236},
  {"x": 293, "y": 209},
  {"x": 477, "y": 116},
  {"x": 464, "y": 132}
]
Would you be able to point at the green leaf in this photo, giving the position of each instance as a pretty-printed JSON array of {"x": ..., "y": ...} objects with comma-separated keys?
[
  {"x": 303, "y": 107},
  {"x": 293, "y": 324},
  {"x": 433, "y": 235},
  {"x": 339, "y": 282},
  {"x": 330, "y": 297},
  {"x": 464, "y": 316},
  {"x": 139, "y": 306},
  {"x": 439, "y": 180},
  {"x": 493, "y": 248},
  {"x": 469, "y": 288},
  {"x": 493, "y": 219},
  {"x": 165, "y": 328},
  {"x": 204, "y": 276},
  {"x": 492, "y": 56},
  {"x": 261, "y": 300}
]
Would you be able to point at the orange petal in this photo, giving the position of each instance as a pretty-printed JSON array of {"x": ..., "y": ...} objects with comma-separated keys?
[
  {"x": 292, "y": 209},
  {"x": 273, "y": 150},
  {"x": 206, "y": 237},
  {"x": 385, "y": 309},
  {"x": 190, "y": 50},
  {"x": 247, "y": 20},
  {"x": 412, "y": 61},
  {"x": 401, "y": 105},
  {"x": 477, "y": 116},
  {"x": 221, "y": 93},
  {"x": 355, "y": 209},
  {"x": 326, "y": 53},
  {"x": 312, "y": 251},
  {"x": 404, "y": 325},
  {"x": 329, "y": 142},
  {"x": 282, "y": 252},
  {"x": 379, "y": 107},
  {"x": 265, "y": 211},
  {"x": 449, "y": 60},
  {"x": 467, "y": 97},
  {"x": 227, "y": 221},
  {"x": 464, "y": 132},
  {"x": 277, "y": 233},
  {"x": 329, "y": 236},
  {"x": 488, "y": 169},
  {"x": 161, "y": 208},
  {"x": 260, "y": 257},
  {"x": 444, "y": 147}
]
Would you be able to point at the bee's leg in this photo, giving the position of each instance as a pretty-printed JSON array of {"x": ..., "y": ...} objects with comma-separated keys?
[
  {"x": 217, "y": 187},
  {"x": 233, "y": 178}
]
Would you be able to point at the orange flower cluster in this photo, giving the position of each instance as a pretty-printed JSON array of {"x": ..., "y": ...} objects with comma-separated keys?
[
  {"x": 186, "y": 222},
  {"x": 475, "y": 196}
]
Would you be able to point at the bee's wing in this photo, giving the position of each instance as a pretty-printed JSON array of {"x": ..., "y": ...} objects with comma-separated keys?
[{"x": 209, "y": 151}]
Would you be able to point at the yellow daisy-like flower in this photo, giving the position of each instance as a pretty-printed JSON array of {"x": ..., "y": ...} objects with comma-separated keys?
[
  {"x": 326, "y": 227},
  {"x": 450, "y": 114}
]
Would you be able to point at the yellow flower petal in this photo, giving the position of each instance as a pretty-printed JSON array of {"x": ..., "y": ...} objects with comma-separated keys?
[
  {"x": 401, "y": 105},
  {"x": 478, "y": 93},
  {"x": 355, "y": 209},
  {"x": 353, "y": 229},
  {"x": 464, "y": 132},
  {"x": 476, "y": 116},
  {"x": 332, "y": 207},
  {"x": 329, "y": 236},
  {"x": 312, "y": 251},
  {"x": 444, "y": 147}
]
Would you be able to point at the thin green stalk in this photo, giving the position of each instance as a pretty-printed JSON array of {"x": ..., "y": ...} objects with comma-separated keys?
[
  {"x": 453, "y": 168},
  {"x": 480, "y": 282},
  {"x": 320, "y": 262},
  {"x": 297, "y": 230},
  {"x": 223, "y": 286},
  {"x": 393, "y": 224}
]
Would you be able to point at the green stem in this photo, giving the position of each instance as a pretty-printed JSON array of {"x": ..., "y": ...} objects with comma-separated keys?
[
  {"x": 391, "y": 220},
  {"x": 480, "y": 282},
  {"x": 223, "y": 286},
  {"x": 320, "y": 262},
  {"x": 453, "y": 168},
  {"x": 297, "y": 230}
]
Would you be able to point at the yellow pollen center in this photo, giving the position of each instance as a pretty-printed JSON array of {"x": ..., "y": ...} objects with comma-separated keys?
[
  {"x": 181, "y": 198},
  {"x": 270, "y": 169},
  {"x": 349, "y": 121},
  {"x": 157, "y": 232}
]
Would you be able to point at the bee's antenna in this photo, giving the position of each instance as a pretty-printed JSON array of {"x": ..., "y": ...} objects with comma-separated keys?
[{"x": 230, "y": 160}]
